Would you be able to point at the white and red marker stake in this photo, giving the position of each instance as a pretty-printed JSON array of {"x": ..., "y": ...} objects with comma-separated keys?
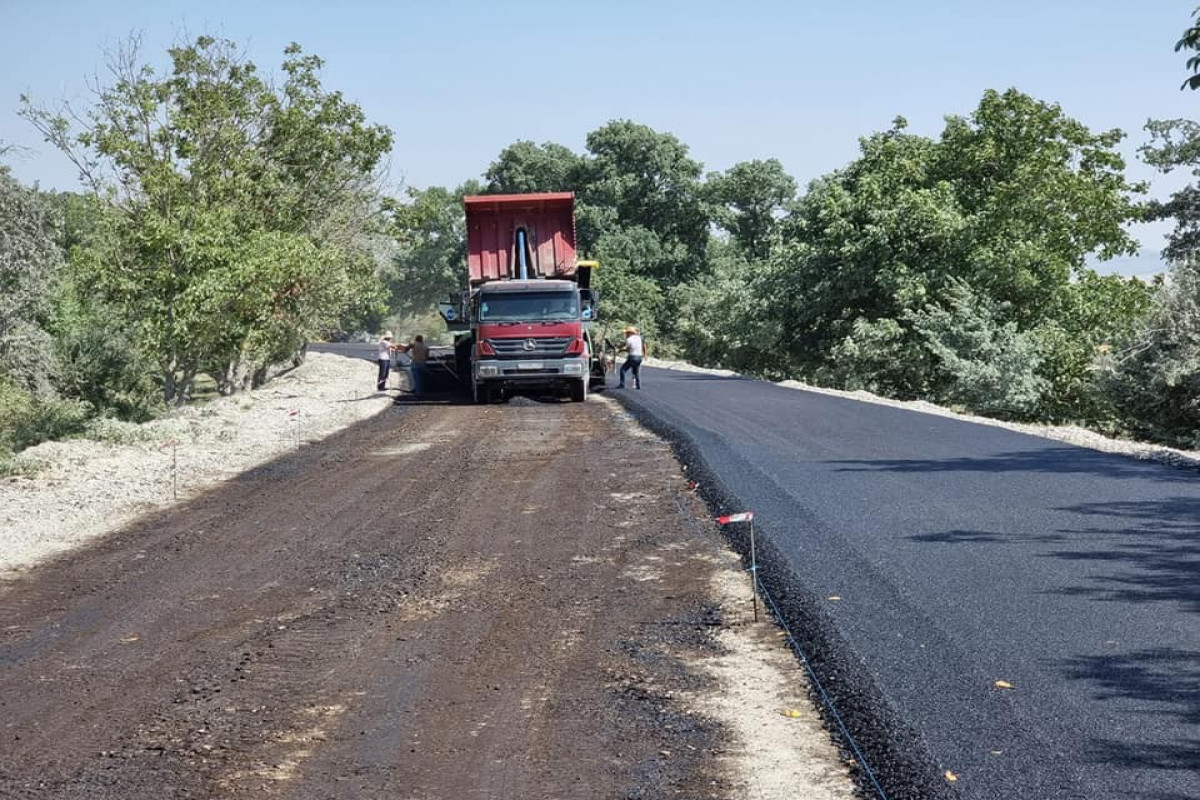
[{"x": 747, "y": 516}]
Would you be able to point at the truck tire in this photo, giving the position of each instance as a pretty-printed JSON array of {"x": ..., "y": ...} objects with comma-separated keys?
[{"x": 579, "y": 390}]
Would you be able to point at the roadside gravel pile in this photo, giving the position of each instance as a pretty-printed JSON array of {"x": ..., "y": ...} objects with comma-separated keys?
[
  {"x": 1070, "y": 434},
  {"x": 83, "y": 488}
]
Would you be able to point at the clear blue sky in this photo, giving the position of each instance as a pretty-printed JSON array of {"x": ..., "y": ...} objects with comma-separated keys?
[{"x": 799, "y": 81}]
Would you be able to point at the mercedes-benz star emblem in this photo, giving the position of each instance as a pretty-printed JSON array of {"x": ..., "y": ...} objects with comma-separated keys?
[{"x": 530, "y": 344}]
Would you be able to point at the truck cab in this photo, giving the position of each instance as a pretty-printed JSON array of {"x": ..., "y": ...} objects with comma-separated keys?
[{"x": 528, "y": 337}]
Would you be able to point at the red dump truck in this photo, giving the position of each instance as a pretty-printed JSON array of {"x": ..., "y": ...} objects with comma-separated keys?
[{"x": 525, "y": 319}]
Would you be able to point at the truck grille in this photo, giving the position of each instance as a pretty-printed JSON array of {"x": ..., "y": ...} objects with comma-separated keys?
[{"x": 542, "y": 347}]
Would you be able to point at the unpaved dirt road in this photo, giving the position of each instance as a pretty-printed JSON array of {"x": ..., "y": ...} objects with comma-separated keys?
[{"x": 426, "y": 605}]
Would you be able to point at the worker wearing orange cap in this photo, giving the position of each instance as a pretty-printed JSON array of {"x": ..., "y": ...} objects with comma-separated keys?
[{"x": 637, "y": 351}]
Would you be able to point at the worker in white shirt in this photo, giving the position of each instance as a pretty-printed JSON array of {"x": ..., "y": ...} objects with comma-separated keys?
[
  {"x": 384, "y": 360},
  {"x": 637, "y": 351}
]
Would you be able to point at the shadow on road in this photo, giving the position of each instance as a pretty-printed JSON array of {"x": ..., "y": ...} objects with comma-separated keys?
[
  {"x": 1152, "y": 547},
  {"x": 1047, "y": 460},
  {"x": 1166, "y": 679},
  {"x": 984, "y": 537}
]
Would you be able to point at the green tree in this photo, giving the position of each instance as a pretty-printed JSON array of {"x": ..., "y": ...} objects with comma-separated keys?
[
  {"x": 750, "y": 197},
  {"x": 1090, "y": 316},
  {"x": 525, "y": 167},
  {"x": 31, "y": 274},
  {"x": 979, "y": 361},
  {"x": 1154, "y": 377},
  {"x": 1191, "y": 41},
  {"x": 864, "y": 244},
  {"x": 1041, "y": 192},
  {"x": 1175, "y": 144},
  {"x": 241, "y": 206},
  {"x": 1009, "y": 201},
  {"x": 30, "y": 269},
  {"x": 638, "y": 177},
  {"x": 718, "y": 320},
  {"x": 431, "y": 262},
  {"x": 628, "y": 292}
]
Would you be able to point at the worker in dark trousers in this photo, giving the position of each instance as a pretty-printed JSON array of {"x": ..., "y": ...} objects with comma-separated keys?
[
  {"x": 384, "y": 360},
  {"x": 420, "y": 356},
  {"x": 636, "y": 349}
]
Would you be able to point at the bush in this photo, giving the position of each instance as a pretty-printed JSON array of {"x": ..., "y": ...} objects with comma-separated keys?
[
  {"x": 980, "y": 362},
  {"x": 26, "y": 420},
  {"x": 115, "y": 431},
  {"x": 1089, "y": 316},
  {"x": 880, "y": 356},
  {"x": 22, "y": 465},
  {"x": 1154, "y": 379},
  {"x": 719, "y": 322},
  {"x": 99, "y": 360},
  {"x": 30, "y": 263}
]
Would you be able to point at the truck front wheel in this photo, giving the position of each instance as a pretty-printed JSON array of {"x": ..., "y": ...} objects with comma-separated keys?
[{"x": 579, "y": 390}]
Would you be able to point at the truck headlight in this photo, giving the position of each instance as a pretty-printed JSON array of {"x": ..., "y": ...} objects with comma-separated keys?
[
  {"x": 488, "y": 372},
  {"x": 573, "y": 369}
]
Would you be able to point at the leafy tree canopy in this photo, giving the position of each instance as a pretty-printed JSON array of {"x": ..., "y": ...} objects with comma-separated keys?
[
  {"x": 241, "y": 204},
  {"x": 30, "y": 268},
  {"x": 748, "y": 200},
  {"x": 646, "y": 179},
  {"x": 1009, "y": 201},
  {"x": 1190, "y": 40},
  {"x": 525, "y": 167}
]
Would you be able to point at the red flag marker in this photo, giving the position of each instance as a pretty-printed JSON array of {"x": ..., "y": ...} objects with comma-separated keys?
[{"x": 747, "y": 516}]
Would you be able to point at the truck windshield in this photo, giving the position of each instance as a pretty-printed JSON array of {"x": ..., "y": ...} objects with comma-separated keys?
[{"x": 529, "y": 307}]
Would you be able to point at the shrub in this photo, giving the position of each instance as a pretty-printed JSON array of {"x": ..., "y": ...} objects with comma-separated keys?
[
  {"x": 26, "y": 419},
  {"x": 115, "y": 431},
  {"x": 980, "y": 362},
  {"x": 1154, "y": 379}
]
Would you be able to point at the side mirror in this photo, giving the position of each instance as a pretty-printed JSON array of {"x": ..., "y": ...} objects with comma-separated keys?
[{"x": 589, "y": 300}]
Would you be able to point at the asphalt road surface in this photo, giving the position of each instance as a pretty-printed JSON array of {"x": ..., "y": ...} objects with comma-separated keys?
[{"x": 925, "y": 559}]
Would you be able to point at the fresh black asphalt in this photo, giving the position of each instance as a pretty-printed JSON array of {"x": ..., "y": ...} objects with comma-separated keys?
[{"x": 963, "y": 555}]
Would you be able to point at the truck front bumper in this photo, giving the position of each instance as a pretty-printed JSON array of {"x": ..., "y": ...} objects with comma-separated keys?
[{"x": 532, "y": 372}]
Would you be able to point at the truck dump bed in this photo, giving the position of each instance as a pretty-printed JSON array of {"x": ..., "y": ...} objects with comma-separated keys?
[{"x": 503, "y": 227}]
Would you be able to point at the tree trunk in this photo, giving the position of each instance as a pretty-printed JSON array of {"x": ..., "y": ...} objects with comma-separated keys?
[
  {"x": 300, "y": 354},
  {"x": 184, "y": 387},
  {"x": 231, "y": 379},
  {"x": 260, "y": 376}
]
